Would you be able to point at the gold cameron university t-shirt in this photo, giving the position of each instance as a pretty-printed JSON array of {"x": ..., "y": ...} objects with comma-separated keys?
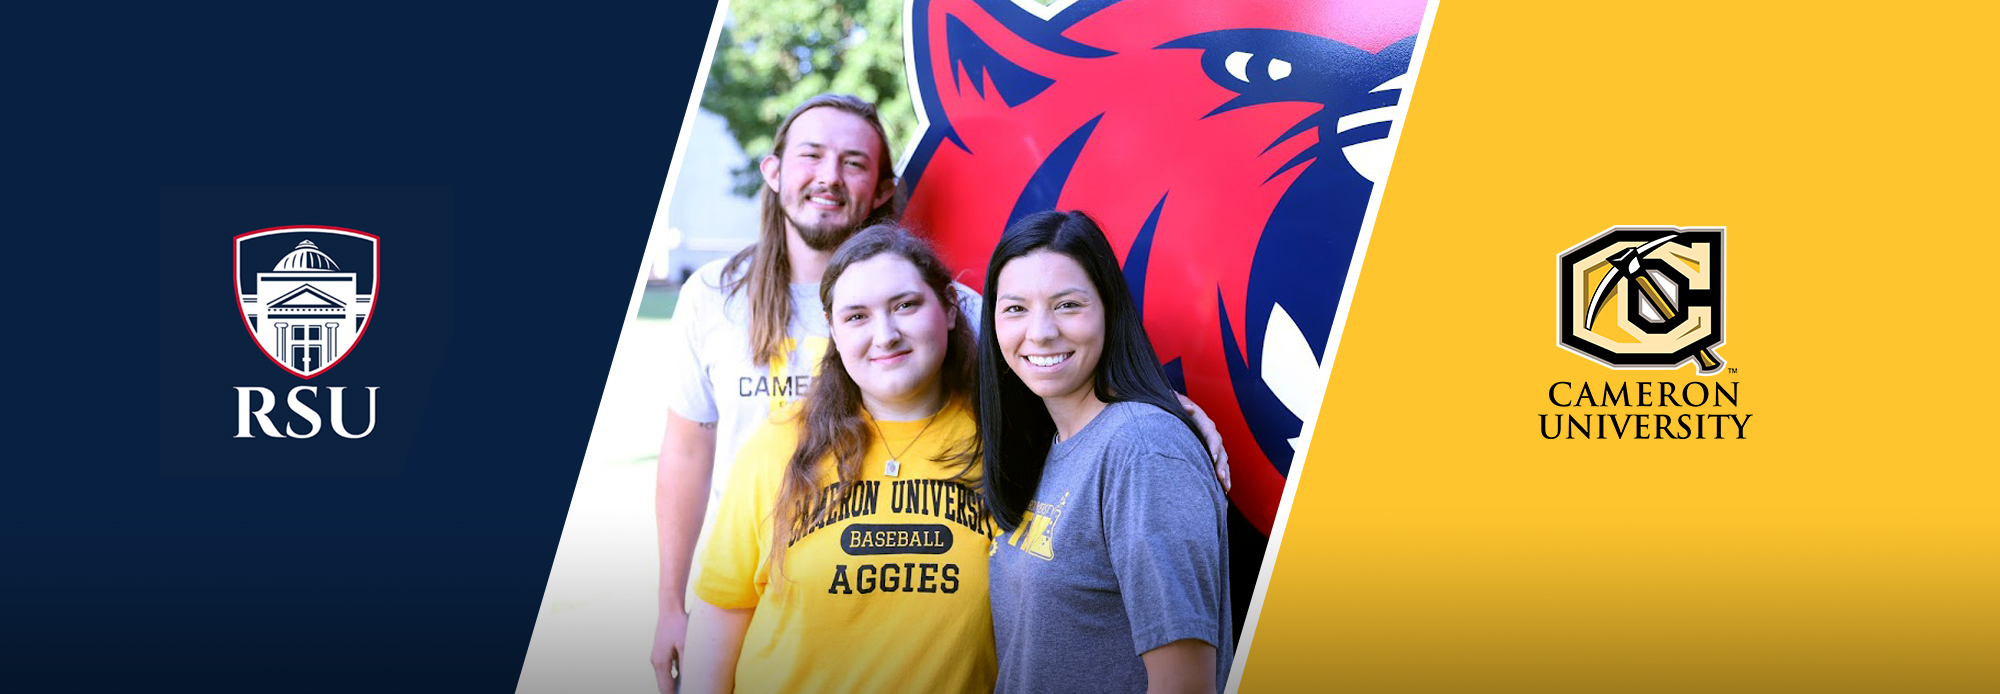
[{"x": 888, "y": 594}]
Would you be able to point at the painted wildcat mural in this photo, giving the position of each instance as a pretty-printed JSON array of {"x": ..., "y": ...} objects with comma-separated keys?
[{"x": 1229, "y": 149}]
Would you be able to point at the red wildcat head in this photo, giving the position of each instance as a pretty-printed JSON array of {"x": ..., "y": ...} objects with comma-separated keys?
[{"x": 1229, "y": 150}]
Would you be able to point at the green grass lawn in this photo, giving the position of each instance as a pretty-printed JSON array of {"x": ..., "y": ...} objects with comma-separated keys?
[{"x": 658, "y": 302}]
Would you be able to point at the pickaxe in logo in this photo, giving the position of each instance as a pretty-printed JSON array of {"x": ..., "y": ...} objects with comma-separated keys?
[{"x": 1625, "y": 266}]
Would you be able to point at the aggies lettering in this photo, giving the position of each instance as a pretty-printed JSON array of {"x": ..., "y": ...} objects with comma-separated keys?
[{"x": 947, "y": 500}]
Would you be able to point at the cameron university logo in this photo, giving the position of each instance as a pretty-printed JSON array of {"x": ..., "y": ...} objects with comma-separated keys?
[
  {"x": 1644, "y": 297},
  {"x": 306, "y": 295}
]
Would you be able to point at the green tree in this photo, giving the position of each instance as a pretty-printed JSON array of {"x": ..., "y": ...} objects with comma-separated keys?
[{"x": 774, "y": 54}]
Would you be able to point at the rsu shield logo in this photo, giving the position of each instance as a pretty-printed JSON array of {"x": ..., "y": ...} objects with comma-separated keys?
[{"x": 305, "y": 293}]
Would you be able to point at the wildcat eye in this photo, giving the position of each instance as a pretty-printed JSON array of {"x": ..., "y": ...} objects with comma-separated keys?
[
  {"x": 1238, "y": 63},
  {"x": 1238, "y": 66}
]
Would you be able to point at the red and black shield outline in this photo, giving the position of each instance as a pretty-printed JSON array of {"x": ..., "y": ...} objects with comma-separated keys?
[{"x": 374, "y": 288}]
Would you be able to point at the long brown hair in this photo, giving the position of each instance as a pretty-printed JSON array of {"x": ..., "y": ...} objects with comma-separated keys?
[
  {"x": 832, "y": 423},
  {"x": 1014, "y": 421},
  {"x": 769, "y": 277}
]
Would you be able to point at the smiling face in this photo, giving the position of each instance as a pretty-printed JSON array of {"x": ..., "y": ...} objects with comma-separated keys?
[
  {"x": 1049, "y": 321},
  {"x": 892, "y": 333},
  {"x": 829, "y": 176}
]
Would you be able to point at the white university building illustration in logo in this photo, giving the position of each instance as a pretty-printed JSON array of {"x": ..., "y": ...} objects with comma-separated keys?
[{"x": 309, "y": 306}]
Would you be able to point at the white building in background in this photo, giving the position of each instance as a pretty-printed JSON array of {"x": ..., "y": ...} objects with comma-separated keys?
[{"x": 702, "y": 218}]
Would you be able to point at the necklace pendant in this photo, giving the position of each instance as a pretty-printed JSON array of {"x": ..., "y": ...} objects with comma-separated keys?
[{"x": 892, "y": 467}]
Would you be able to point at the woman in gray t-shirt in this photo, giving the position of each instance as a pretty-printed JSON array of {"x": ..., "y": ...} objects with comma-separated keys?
[{"x": 1111, "y": 573}]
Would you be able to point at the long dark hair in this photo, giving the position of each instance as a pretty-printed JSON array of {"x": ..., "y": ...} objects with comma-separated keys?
[
  {"x": 769, "y": 274},
  {"x": 1014, "y": 424},
  {"x": 831, "y": 422}
]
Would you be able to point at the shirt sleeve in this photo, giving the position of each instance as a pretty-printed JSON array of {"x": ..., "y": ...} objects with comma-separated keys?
[
  {"x": 1162, "y": 526},
  {"x": 734, "y": 566},
  {"x": 689, "y": 391}
]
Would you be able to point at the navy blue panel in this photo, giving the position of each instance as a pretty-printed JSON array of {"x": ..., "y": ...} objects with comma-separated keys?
[{"x": 510, "y": 160}]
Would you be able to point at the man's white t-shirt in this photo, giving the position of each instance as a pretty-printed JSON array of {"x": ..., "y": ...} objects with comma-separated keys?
[{"x": 714, "y": 378}]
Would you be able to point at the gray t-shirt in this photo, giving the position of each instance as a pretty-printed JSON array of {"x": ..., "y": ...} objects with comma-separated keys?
[{"x": 1124, "y": 548}]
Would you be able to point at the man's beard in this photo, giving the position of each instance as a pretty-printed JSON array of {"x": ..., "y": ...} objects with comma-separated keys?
[{"x": 822, "y": 237}]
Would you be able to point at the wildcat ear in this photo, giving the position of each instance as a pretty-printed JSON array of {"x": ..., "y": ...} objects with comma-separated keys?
[
  {"x": 973, "y": 62},
  {"x": 976, "y": 58},
  {"x": 996, "y": 85}
]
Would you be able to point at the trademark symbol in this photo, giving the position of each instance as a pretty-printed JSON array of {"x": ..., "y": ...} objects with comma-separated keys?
[{"x": 1732, "y": 369}]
